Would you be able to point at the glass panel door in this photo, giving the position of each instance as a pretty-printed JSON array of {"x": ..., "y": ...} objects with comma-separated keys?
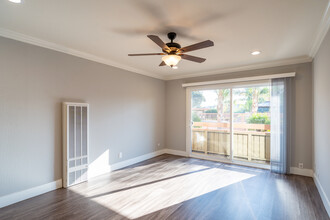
[
  {"x": 210, "y": 116},
  {"x": 78, "y": 150},
  {"x": 231, "y": 123},
  {"x": 251, "y": 124}
]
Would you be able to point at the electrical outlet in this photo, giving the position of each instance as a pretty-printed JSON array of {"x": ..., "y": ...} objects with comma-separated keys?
[
  {"x": 301, "y": 165},
  {"x": 120, "y": 155}
]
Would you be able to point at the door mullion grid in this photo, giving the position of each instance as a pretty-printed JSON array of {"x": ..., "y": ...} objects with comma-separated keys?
[
  {"x": 74, "y": 132},
  {"x": 75, "y": 140},
  {"x": 87, "y": 132},
  {"x": 81, "y": 128},
  {"x": 67, "y": 143},
  {"x": 77, "y": 158},
  {"x": 231, "y": 125}
]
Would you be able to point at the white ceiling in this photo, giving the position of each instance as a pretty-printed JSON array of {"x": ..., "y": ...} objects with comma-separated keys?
[{"x": 106, "y": 31}]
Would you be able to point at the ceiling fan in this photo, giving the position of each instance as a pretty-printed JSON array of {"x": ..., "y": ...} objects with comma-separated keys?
[{"x": 173, "y": 51}]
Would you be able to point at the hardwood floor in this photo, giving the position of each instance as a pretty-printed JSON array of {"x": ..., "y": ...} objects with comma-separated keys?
[{"x": 171, "y": 187}]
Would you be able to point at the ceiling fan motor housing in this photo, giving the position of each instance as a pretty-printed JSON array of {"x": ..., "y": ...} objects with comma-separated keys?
[
  {"x": 173, "y": 46},
  {"x": 171, "y": 36}
]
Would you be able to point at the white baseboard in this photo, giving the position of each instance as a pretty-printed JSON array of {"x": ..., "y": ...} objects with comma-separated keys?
[
  {"x": 93, "y": 172},
  {"x": 301, "y": 172},
  {"x": 35, "y": 191},
  {"x": 176, "y": 152},
  {"x": 104, "y": 169},
  {"x": 324, "y": 197},
  {"x": 107, "y": 169},
  {"x": 135, "y": 160},
  {"x": 29, "y": 193}
]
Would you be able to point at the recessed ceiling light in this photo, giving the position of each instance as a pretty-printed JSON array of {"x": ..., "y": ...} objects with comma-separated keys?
[
  {"x": 256, "y": 52},
  {"x": 15, "y": 1}
]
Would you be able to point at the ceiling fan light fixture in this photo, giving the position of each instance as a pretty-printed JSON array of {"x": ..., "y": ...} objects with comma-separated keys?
[
  {"x": 171, "y": 60},
  {"x": 173, "y": 52}
]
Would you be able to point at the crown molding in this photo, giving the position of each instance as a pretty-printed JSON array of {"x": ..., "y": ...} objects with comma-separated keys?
[
  {"x": 321, "y": 31},
  {"x": 53, "y": 46},
  {"x": 297, "y": 60}
]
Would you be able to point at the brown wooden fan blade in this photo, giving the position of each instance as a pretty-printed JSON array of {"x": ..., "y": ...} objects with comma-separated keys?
[
  {"x": 159, "y": 42},
  {"x": 162, "y": 64},
  {"x": 192, "y": 58},
  {"x": 197, "y": 46},
  {"x": 145, "y": 54}
]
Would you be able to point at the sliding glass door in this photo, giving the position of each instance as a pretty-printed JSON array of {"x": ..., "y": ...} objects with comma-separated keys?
[
  {"x": 210, "y": 116},
  {"x": 230, "y": 122}
]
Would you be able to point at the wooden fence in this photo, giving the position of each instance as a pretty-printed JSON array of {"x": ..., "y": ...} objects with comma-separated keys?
[
  {"x": 244, "y": 126},
  {"x": 249, "y": 145},
  {"x": 214, "y": 116}
]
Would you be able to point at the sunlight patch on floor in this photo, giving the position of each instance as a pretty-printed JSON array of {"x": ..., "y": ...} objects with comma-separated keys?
[{"x": 158, "y": 195}]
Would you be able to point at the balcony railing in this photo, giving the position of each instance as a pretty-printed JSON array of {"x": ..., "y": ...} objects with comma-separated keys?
[{"x": 214, "y": 138}]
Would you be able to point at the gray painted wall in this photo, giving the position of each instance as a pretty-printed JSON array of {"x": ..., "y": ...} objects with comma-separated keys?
[
  {"x": 302, "y": 120},
  {"x": 127, "y": 112},
  {"x": 321, "y": 82}
]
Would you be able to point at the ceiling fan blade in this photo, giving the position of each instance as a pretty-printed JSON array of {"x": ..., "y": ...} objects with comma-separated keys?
[
  {"x": 162, "y": 64},
  {"x": 192, "y": 58},
  {"x": 145, "y": 54},
  {"x": 159, "y": 42},
  {"x": 197, "y": 46}
]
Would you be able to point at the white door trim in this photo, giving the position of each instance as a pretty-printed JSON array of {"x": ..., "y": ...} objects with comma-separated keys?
[
  {"x": 241, "y": 80},
  {"x": 189, "y": 123}
]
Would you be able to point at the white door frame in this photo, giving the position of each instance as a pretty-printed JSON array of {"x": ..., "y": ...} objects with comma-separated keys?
[{"x": 189, "y": 123}]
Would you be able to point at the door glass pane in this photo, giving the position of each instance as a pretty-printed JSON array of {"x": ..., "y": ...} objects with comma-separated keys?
[
  {"x": 210, "y": 118},
  {"x": 71, "y": 164},
  {"x": 251, "y": 117},
  {"x": 78, "y": 131},
  {"x": 78, "y": 176},
  {"x": 84, "y": 131},
  {"x": 84, "y": 175},
  {"x": 84, "y": 160},
  {"x": 72, "y": 178},
  {"x": 71, "y": 131}
]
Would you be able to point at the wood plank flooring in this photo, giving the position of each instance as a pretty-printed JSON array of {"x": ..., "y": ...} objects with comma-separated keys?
[{"x": 172, "y": 187}]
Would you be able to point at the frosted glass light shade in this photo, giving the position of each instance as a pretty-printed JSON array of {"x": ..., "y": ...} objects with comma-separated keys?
[{"x": 171, "y": 60}]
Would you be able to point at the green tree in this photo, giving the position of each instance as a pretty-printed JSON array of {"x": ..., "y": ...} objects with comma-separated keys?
[
  {"x": 211, "y": 111},
  {"x": 197, "y": 99},
  {"x": 222, "y": 95},
  {"x": 195, "y": 117},
  {"x": 259, "y": 118},
  {"x": 254, "y": 95}
]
